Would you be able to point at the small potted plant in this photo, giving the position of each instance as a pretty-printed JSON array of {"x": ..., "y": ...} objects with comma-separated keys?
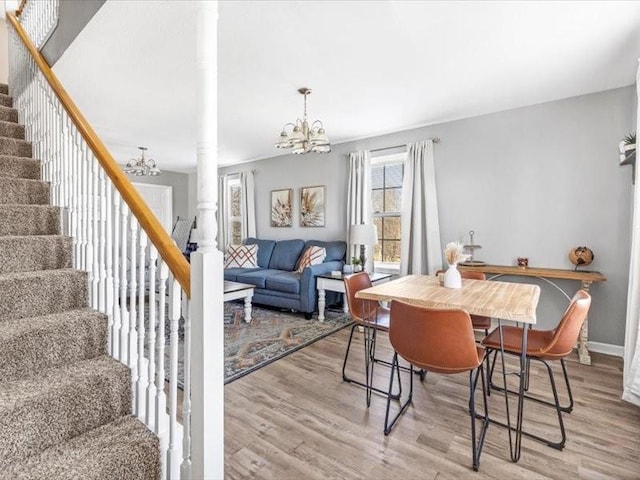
[{"x": 355, "y": 261}]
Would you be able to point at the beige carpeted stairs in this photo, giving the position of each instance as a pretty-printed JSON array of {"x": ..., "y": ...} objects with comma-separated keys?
[{"x": 65, "y": 404}]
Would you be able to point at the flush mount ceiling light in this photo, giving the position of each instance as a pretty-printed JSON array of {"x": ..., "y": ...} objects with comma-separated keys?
[
  {"x": 304, "y": 138},
  {"x": 141, "y": 166}
]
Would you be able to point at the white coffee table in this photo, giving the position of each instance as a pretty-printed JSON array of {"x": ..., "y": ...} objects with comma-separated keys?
[
  {"x": 335, "y": 283},
  {"x": 235, "y": 291}
]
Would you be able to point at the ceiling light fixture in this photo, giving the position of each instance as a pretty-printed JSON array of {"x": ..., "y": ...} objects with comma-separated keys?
[
  {"x": 141, "y": 166},
  {"x": 304, "y": 139}
]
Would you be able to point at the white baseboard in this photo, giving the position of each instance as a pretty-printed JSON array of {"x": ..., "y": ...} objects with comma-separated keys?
[{"x": 606, "y": 348}]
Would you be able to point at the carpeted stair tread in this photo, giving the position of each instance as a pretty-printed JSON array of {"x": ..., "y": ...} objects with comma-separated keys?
[
  {"x": 15, "y": 146},
  {"x": 8, "y": 114},
  {"x": 35, "y": 252},
  {"x": 4, "y": 88},
  {"x": 29, "y": 220},
  {"x": 19, "y": 167},
  {"x": 10, "y": 129},
  {"x": 50, "y": 341},
  {"x": 23, "y": 191},
  {"x": 121, "y": 450},
  {"x": 32, "y": 294},
  {"x": 54, "y": 406},
  {"x": 6, "y": 100}
]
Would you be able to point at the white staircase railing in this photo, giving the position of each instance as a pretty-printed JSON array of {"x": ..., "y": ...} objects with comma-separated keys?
[{"x": 130, "y": 279}]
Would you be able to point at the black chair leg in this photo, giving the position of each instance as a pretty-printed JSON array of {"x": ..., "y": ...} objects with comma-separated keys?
[
  {"x": 568, "y": 408},
  {"x": 366, "y": 384},
  {"x": 395, "y": 368},
  {"x": 477, "y": 443}
]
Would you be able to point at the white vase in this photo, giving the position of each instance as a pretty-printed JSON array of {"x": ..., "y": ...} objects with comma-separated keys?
[{"x": 452, "y": 278}]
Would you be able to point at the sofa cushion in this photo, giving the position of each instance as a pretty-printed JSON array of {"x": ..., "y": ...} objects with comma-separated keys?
[
  {"x": 231, "y": 274},
  {"x": 288, "y": 282},
  {"x": 285, "y": 255},
  {"x": 335, "y": 250},
  {"x": 241, "y": 256},
  {"x": 312, "y": 255},
  {"x": 265, "y": 250},
  {"x": 257, "y": 277}
]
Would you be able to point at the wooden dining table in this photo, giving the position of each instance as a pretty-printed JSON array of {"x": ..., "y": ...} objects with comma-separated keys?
[{"x": 499, "y": 300}]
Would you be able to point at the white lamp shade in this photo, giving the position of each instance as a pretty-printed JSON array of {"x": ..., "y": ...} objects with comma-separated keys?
[{"x": 363, "y": 235}]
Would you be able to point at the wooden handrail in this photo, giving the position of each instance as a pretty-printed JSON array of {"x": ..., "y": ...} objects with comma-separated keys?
[
  {"x": 20, "y": 8},
  {"x": 167, "y": 249}
]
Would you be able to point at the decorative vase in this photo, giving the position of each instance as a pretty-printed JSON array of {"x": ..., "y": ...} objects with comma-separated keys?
[{"x": 452, "y": 278}]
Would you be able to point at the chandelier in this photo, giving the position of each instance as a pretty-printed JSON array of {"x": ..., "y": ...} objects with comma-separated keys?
[
  {"x": 141, "y": 166},
  {"x": 304, "y": 138}
]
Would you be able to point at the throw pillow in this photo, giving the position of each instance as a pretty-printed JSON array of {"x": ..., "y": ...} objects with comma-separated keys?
[
  {"x": 242, "y": 256},
  {"x": 311, "y": 256}
]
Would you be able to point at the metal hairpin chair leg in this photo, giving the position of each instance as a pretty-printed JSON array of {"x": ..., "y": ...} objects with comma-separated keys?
[
  {"x": 555, "y": 404},
  {"x": 476, "y": 445},
  {"x": 395, "y": 368},
  {"x": 566, "y": 408},
  {"x": 369, "y": 345}
]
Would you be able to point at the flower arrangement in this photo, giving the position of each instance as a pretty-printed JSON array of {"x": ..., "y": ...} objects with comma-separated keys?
[{"x": 453, "y": 253}]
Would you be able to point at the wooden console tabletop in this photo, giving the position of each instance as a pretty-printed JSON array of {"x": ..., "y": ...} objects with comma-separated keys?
[{"x": 586, "y": 278}]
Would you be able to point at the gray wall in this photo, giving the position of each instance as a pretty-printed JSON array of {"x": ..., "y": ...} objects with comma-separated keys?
[
  {"x": 74, "y": 16},
  {"x": 180, "y": 184},
  {"x": 531, "y": 182}
]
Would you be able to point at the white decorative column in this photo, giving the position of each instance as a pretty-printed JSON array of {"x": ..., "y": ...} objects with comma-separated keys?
[{"x": 207, "y": 354}]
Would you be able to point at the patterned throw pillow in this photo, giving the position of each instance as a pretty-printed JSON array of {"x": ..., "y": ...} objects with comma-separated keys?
[
  {"x": 311, "y": 256},
  {"x": 242, "y": 256}
]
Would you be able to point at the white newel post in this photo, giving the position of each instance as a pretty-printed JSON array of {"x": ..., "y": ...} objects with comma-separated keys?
[{"x": 207, "y": 365}]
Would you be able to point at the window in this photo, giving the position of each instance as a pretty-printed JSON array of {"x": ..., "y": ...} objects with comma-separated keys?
[
  {"x": 234, "y": 226},
  {"x": 387, "y": 173}
]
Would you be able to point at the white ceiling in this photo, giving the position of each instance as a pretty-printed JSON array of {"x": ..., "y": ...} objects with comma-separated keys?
[{"x": 374, "y": 66}]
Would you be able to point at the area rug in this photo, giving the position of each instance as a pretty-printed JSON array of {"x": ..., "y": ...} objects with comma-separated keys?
[{"x": 271, "y": 335}]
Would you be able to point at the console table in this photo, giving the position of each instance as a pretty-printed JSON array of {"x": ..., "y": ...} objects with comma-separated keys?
[{"x": 548, "y": 274}]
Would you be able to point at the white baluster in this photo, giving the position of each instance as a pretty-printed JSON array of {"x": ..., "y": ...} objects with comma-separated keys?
[
  {"x": 173, "y": 455},
  {"x": 185, "y": 468},
  {"x": 103, "y": 205},
  {"x": 151, "y": 374},
  {"x": 161, "y": 419},
  {"x": 95, "y": 225},
  {"x": 142, "y": 371},
  {"x": 108, "y": 245},
  {"x": 133, "y": 285},
  {"x": 124, "y": 313},
  {"x": 84, "y": 204},
  {"x": 117, "y": 323}
]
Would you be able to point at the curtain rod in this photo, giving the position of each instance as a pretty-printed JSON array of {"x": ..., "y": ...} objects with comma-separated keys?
[{"x": 435, "y": 140}]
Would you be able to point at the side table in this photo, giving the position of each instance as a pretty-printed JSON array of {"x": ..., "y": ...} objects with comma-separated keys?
[{"x": 335, "y": 283}]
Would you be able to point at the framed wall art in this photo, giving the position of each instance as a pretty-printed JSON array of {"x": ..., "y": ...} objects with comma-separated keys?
[
  {"x": 282, "y": 207},
  {"x": 312, "y": 206}
]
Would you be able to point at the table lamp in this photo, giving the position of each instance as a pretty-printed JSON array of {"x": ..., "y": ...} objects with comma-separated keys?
[{"x": 363, "y": 235}]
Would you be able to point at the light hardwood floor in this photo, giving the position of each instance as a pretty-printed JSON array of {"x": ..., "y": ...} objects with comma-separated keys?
[{"x": 297, "y": 419}]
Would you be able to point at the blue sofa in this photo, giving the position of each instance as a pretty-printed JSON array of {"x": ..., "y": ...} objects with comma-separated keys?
[{"x": 276, "y": 281}]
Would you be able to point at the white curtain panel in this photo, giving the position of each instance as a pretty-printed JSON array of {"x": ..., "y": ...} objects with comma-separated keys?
[
  {"x": 420, "y": 248},
  {"x": 222, "y": 214},
  {"x": 358, "y": 197},
  {"x": 248, "y": 206},
  {"x": 631, "y": 379}
]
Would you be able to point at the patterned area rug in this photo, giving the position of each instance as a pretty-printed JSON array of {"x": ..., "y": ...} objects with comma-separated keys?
[{"x": 271, "y": 335}]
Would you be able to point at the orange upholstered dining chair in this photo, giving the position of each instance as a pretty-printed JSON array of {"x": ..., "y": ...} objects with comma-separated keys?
[
  {"x": 545, "y": 346},
  {"x": 440, "y": 341},
  {"x": 373, "y": 317}
]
